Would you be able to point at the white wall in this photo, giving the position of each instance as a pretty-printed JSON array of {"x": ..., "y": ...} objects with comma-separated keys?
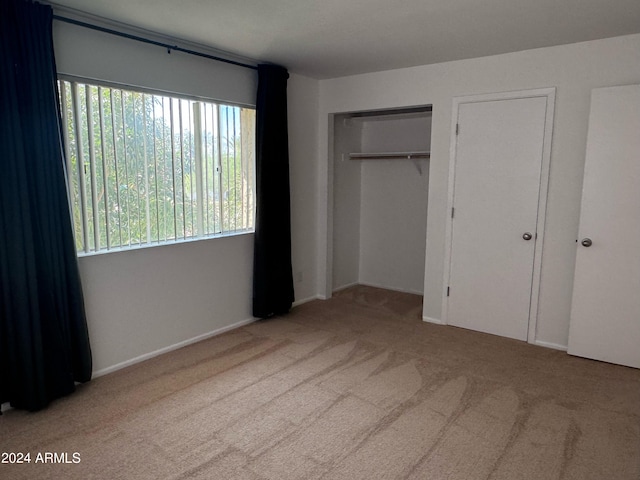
[
  {"x": 573, "y": 69},
  {"x": 393, "y": 221},
  {"x": 347, "y": 177},
  {"x": 393, "y": 212},
  {"x": 399, "y": 133},
  {"x": 302, "y": 102},
  {"x": 142, "y": 302}
]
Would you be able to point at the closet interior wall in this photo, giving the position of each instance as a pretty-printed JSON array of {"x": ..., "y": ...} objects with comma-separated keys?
[{"x": 380, "y": 205}]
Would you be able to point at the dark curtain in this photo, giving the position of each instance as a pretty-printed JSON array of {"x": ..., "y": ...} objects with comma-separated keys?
[
  {"x": 44, "y": 343},
  {"x": 272, "y": 275}
]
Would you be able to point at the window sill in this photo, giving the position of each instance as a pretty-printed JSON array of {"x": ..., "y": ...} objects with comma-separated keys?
[{"x": 145, "y": 246}]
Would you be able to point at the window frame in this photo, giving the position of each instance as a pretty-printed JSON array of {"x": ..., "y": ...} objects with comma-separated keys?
[{"x": 66, "y": 122}]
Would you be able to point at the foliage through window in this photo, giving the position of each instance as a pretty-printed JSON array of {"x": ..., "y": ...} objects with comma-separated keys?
[{"x": 147, "y": 168}]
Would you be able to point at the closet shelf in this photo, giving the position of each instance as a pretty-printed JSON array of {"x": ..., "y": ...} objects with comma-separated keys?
[{"x": 390, "y": 155}]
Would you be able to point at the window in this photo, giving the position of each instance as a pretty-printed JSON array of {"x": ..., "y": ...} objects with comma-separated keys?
[{"x": 148, "y": 168}]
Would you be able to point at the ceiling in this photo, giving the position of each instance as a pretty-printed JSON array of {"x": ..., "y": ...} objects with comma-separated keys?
[{"x": 332, "y": 38}]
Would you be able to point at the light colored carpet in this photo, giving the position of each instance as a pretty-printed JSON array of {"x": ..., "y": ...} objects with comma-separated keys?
[{"x": 356, "y": 387}]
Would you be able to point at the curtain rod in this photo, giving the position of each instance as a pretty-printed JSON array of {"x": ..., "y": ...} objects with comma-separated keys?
[{"x": 152, "y": 42}]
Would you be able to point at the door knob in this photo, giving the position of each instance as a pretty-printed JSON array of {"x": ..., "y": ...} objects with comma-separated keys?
[
  {"x": 527, "y": 236},
  {"x": 586, "y": 242}
]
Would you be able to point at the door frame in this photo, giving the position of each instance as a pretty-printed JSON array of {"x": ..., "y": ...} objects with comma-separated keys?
[{"x": 550, "y": 94}]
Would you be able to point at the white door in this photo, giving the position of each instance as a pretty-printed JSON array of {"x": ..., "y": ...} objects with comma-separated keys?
[
  {"x": 605, "y": 313},
  {"x": 498, "y": 161}
]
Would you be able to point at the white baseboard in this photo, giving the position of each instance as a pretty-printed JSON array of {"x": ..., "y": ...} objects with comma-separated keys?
[
  {"x": 306, "y": 300},
  {"x": 118, "y": 366},
  {"x": 555, "y": 346},
  {"x": 344, "y": 287},
  {"x": 437, "y": 321},
  {"x": 184, "y": 343},
  {"x": 393, "y": 289}
]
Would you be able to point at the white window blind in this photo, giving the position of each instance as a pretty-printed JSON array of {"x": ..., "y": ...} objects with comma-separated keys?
[{"x": 147, "y": 168}]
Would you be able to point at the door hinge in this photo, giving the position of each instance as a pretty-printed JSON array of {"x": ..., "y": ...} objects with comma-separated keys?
[
  {"x": 457, "y": 128},
  {"x": 448, "y": 291},
  {"x": 452, "y": 212}
]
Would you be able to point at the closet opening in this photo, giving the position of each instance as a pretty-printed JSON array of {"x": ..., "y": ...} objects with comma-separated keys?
[{"x": 379, "y": 180}]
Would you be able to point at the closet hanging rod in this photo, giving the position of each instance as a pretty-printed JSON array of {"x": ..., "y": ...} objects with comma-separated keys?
[
  {"x": 389, "y": 155},
  {"x": 137, "y": 38}
]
